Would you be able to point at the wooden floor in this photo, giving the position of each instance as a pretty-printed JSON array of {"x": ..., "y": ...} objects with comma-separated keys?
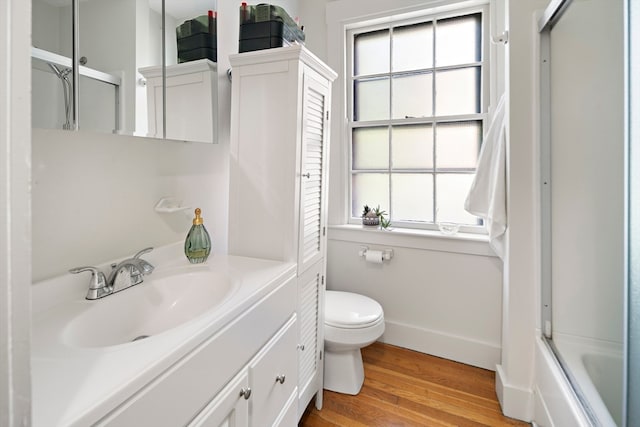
[{"x": 408, "y": 388}]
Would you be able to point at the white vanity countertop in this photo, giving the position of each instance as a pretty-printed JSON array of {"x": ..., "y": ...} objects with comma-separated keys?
[{"x": 74, "y": 386}]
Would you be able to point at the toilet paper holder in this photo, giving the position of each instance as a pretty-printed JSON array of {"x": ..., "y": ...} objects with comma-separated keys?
[{"x": 387, "y": 254}]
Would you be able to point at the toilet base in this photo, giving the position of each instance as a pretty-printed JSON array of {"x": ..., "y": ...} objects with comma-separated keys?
[{"x": 343, "y": 371}]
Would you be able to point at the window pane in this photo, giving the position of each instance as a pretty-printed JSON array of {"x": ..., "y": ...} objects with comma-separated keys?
[
  {"x": 412, "y": 147},
  {"x": 412, "y": 95},
  {"x": 458, "y": 40},
  {"x": 458, "y": 144},
  {"x": 370, "y": 148},
  {"x": 458, "y": 91},
  {"x": 371, "y": 99},
  {"x": 369, "y": 189},
  {"x": 412, "y": 198},
  {"x": 412, "y": 47},
  {"x": 371, "y": 53},
  {"x": 451, "y": 192}
]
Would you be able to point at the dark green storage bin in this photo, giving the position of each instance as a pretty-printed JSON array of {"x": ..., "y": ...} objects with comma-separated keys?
[
  {"x": 198, "y": 53},
  {"x": 197, "y": 39},
  {"x": 266, "y": 26}
]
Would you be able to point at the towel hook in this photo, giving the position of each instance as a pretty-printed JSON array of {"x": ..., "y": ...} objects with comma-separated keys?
[{"x": 502, "y": 38}]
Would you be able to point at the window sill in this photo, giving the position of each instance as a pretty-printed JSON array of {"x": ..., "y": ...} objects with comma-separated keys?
[{"x": 460, "y": 243}]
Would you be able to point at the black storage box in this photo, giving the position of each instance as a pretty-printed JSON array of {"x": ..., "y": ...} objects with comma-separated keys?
[
  {"x": 201, "y": 40},
  {"x": 196, "y": 39},
  {"x": 198, "y": 53},
  {"x": 265, "y": 35},
  {"x": 250, "y": 45},
  {"x": 264, "y": 26}
]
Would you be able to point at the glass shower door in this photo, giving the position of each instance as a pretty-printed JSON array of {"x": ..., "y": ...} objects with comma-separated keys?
[{"x": 584, "y": 191}]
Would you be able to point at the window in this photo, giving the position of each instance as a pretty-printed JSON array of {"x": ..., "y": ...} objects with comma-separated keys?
[{"x": 417, "y": 91}]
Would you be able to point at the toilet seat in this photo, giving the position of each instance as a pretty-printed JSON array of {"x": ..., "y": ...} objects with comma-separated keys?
[{"x": 346, "y": 310}]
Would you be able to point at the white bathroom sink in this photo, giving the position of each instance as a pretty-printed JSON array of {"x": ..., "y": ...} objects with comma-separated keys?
[
  {"x": 160, "y": 303},
  {"x": 83, "y": 360}
]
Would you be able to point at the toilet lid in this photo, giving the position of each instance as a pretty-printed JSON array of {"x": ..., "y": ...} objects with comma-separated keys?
[{"x": 349, "y": 310}]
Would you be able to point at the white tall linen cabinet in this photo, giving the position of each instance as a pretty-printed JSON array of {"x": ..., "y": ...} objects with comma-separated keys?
[{"x": 278, "y": 182}]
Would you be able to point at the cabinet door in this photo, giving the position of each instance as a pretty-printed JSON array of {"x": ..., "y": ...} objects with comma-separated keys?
[
  {"x": 230, "y": 408},
  {"x": 273, "y": 376},
  {"x": 315, "y": 130},
  {"x": 309, "y": 335},
  {"x": 289, "y": 415}
]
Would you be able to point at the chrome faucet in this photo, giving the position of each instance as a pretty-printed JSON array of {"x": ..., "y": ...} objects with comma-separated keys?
[{"x": 123, "y": 275}]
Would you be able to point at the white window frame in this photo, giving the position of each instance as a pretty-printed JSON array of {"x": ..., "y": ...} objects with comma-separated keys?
[{"x": 485, "y": 69}]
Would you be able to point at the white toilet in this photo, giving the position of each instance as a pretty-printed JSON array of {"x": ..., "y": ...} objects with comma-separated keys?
[{"x": 351, "y": 321}]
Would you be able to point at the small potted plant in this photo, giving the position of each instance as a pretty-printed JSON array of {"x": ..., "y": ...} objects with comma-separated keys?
[
  {"x": 384, "y": 223},
  {"x": 369, "y": 217}
]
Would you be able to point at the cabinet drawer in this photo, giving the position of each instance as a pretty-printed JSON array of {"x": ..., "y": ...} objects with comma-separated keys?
[
  {"x": 273, "y": 376},
  {"x": 176, "y": 396},
  {"x": 229, "y": 408}
]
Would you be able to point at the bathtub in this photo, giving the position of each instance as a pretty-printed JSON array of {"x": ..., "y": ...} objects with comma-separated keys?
[{"x": 595, "y": 368}]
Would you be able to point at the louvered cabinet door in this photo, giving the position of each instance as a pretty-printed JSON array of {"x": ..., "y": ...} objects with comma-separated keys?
[
  {"x": 313, "y": 170},
  {"x": 309, "y": 335}
]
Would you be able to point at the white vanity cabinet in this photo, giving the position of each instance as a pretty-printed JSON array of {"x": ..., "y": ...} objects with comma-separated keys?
[
  {"x": 244, "y": 375},
  {"x": 278, "y": 180},
  {"x": 258, "y": 396}
]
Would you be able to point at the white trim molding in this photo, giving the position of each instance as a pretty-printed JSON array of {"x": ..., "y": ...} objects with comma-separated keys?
[
  {"x": 460, "y": 243},
  {"x": 516, "y": 402},
  {"x": 460, "y": 349},
  {"x": 15, "y": 220}
]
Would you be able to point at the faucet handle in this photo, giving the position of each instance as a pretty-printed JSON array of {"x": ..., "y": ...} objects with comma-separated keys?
[
  {"x": 98, "y": 284},
  {"x": 142, "y": 252},
  {"x": 145, "y": 266},
  {"x": 97, "y": 277}
]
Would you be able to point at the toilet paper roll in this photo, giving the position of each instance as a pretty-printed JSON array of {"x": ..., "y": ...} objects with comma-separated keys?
[{"x": 374, "y": 256}]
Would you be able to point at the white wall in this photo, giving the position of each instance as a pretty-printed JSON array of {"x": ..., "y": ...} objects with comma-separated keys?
[
  {"x": 313, "y": 18},
  {"x": 438, "y": 302},
  {"x": 93, "y": 196}
]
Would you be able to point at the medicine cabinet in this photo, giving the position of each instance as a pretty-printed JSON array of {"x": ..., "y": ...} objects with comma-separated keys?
[{"x": 89, "y": 59}]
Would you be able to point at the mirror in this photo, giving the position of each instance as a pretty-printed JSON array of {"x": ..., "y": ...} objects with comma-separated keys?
[{"x": 121, "y": 78}]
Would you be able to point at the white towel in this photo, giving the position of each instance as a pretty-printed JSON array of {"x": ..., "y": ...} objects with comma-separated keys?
[{"x": 487, "y": 197}]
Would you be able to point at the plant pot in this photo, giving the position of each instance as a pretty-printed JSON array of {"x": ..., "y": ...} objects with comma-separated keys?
[{"x": 370, "y": 220}]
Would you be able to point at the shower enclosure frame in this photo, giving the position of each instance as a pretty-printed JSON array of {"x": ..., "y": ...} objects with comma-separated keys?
[
  {"x": 551, "y": 15},
  {"x": 548, "y": 19},
  {"x": 632, "y": 237},
  {"x": 63, "y": 61}
]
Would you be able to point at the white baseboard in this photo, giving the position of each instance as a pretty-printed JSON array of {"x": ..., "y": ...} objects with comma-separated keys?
[
  {"x": 459, "y": 349},
  {"x": 516, "y": 402}
]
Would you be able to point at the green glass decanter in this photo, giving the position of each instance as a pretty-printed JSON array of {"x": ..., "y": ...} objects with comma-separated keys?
[{"x": 197, "y": 245}]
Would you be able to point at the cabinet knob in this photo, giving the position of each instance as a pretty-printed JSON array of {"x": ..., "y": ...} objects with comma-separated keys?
[
  {"x": 246, "y": 393},
  {"x": 307, "y": 175},
  {"x": 280, "y": 379},
  {"x": 301, "y": 347}
]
